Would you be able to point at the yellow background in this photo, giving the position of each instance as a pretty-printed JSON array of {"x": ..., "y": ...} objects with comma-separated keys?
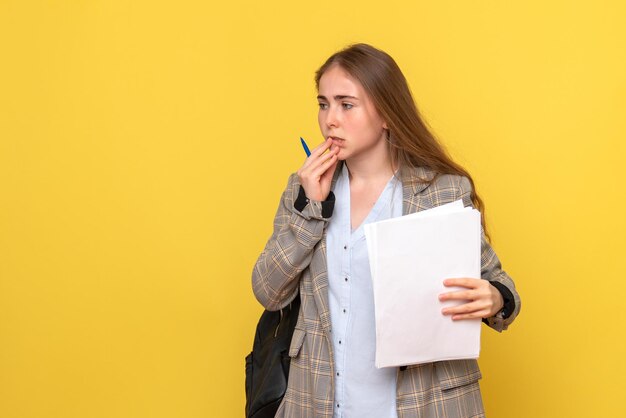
[{"x": 144, "y": 146}]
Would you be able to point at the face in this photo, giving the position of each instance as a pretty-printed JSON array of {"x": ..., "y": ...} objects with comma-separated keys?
[{"x": 348, "y": 116}]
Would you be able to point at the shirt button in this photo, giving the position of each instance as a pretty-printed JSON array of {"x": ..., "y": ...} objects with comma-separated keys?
[
  {"x": 339, "y": 343},
  {"x": 337, "y": 405},
  {"x": 345, "y": 247},
  {"x": 345, "y": 278},
  {"x": 337, "y": 373},
  {"x": 344, "y": 311}
]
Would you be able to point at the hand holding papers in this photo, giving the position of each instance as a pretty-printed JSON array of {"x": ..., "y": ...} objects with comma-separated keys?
[{"x": 410, "y": 256}]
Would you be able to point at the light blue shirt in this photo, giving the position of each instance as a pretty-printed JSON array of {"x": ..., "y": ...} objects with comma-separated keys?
[{"x": 361, "y": 390}]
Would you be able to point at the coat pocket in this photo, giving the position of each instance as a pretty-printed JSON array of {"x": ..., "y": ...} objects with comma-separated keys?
[
  {"x": 455, "y": 373},
  {"x": 296, "y": 342}
]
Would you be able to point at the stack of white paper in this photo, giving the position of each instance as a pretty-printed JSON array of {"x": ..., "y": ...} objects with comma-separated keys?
[{"x": 410, "y": 256}]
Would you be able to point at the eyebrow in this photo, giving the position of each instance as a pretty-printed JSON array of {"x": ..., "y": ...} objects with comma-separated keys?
[{"x": 338, "y": 97}]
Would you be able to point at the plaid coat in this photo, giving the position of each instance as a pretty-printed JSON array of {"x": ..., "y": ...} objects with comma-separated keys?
[{"x": 295, "y": 257}]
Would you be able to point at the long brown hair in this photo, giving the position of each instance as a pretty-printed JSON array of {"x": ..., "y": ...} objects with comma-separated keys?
[{"x": 411, "y": 144}]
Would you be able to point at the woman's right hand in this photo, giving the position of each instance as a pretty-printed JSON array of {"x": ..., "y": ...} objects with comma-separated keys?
[{"x": 316, "y": 174}]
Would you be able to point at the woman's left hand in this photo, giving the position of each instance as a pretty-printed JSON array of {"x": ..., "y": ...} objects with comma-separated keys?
[{"x": 483, "y": 299}]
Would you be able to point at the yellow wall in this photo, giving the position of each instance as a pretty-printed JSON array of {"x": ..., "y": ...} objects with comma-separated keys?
[{"x": 144, "y": 146}]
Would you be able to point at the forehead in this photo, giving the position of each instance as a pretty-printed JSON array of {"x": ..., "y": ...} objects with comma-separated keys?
[{"x": 337, "y": 81}]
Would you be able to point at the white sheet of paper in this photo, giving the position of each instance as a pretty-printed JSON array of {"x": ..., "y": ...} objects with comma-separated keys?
[
  {"x": 409, "y": 258},
  {"x": 370, "y": 229}
]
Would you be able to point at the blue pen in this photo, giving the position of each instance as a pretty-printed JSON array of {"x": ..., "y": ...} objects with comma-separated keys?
[{"x": 306, "y": 149}]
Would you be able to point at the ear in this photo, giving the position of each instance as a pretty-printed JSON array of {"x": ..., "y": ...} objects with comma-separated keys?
[{"x": 385, "y": 125}]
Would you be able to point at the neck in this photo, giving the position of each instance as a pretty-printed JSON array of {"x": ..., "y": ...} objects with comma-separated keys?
[{"x": 372, "y": 166}]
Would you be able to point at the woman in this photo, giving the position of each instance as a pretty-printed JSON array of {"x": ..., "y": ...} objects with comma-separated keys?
[{"x": 378, "y": 161}]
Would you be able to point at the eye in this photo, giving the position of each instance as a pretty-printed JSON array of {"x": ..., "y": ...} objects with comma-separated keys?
[
  {"x": 347, "y": 106},
  {"x": 323, "y": 106}
]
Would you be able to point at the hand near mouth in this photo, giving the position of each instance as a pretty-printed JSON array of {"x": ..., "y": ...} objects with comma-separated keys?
[{"x": 316, "y": 173}]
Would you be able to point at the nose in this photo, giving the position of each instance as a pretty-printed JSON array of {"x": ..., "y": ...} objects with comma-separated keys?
[{"x": 332, "y": 117}]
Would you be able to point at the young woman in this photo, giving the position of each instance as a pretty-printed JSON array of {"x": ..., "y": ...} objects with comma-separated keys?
[{"x": 378, "y": 161}]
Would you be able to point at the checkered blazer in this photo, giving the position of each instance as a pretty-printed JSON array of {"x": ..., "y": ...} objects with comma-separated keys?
[{"x": 295, "y": 258}]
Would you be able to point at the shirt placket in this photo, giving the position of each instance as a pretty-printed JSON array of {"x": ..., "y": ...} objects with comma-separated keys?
[{"x": 341, "y": 334}]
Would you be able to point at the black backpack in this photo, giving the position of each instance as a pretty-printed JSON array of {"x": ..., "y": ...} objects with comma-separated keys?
[{"x": 267, "y": 366}]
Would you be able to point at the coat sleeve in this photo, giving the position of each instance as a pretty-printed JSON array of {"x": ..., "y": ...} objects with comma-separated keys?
[
  {"x": 491, "y": 268},
  {"x": 289, "y": 250}
]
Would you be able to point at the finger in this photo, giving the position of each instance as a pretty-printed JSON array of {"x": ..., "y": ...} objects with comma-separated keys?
[
  {"x": 473, "y": 315},
  {"x": 330, "y": 153},
  {"x": 313, "y": 164},
  {"x": 463, "y": 282},
  {"x": 323, "y": 168},
  {"x": 315, "y": 154},
  {"x": 321, "y": 148},
  {"x": 460, "y": 295},
  {"x": 331, "y": 169},
  {"x": 466, "y": 308}
]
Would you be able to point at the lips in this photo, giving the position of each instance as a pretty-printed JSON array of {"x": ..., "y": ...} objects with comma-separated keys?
[{"x": 336, "y": 138}]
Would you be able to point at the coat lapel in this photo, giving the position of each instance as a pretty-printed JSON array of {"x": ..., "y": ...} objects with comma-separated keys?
[{"x": 414, "y": 181}]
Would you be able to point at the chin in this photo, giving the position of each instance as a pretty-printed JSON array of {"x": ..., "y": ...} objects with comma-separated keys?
[
  {"x": 342, "y": 153},
  {"x": 343, "y": 156}
]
